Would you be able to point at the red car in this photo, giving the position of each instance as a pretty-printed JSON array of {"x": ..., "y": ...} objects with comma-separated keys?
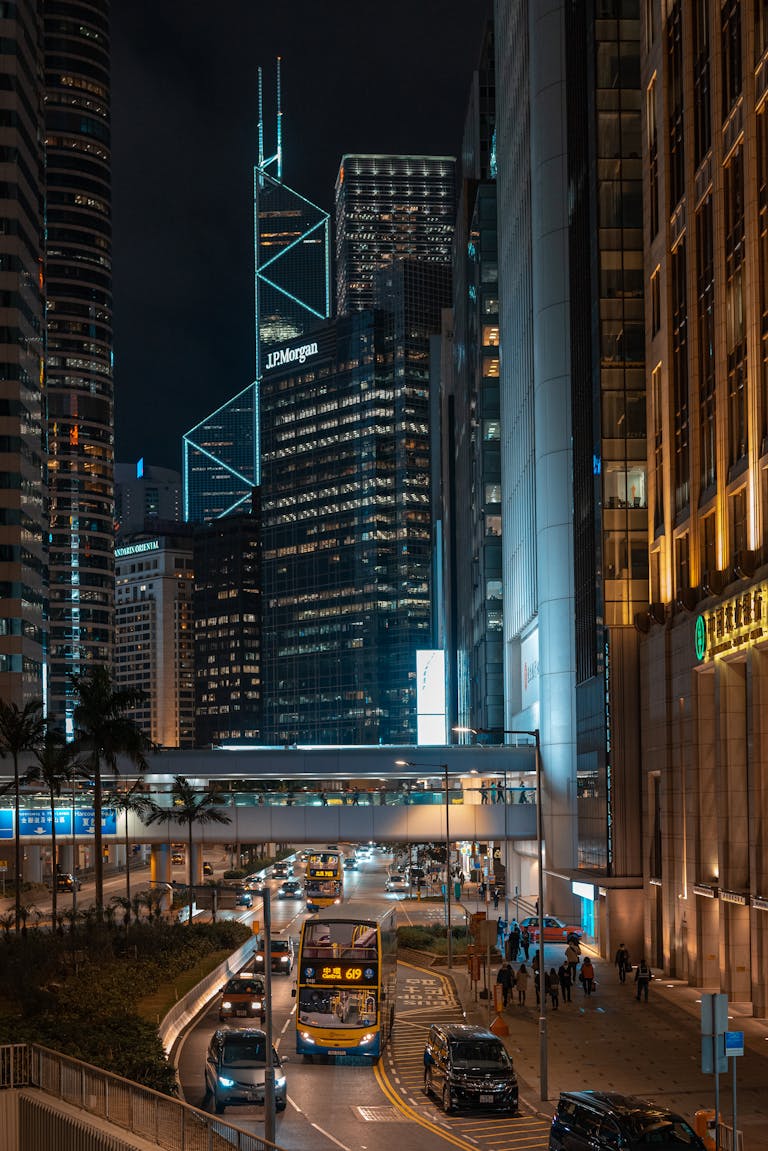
[{"x": 555, "y": 931}]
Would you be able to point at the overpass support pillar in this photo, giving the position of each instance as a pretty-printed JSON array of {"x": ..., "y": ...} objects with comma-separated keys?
[
  {"x": 196, "y": 863},
  {"x": 33, "y": 864},
  {"x": 160, "y": 870}
]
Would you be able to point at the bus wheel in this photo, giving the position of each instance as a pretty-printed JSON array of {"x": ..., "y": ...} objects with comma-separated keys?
[{"x": 308, "y": 1058}]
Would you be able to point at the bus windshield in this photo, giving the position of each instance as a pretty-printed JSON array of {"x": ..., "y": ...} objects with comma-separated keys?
[
  {"x": 340, "y": 940},
  {"x": 337, "y": 1007}
]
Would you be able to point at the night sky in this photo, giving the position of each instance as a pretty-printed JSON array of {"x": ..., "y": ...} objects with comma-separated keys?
[{"x": 357, "y": 77}]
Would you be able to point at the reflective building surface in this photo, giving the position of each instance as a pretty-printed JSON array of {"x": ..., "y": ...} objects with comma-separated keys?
[{"x": 79, "y": 347}]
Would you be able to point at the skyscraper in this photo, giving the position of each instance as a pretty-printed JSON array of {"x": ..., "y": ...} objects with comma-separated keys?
[
  {"x": 388, "y": 207},
  {"x": 79, "y": 349},
  {"x": 23, "y": 505},
  {"x": 574, "y": 497},
  {"x": 292, "y": 292},
  {"x": 145, "y": 493},
  {"x": 705, "y": 80}
]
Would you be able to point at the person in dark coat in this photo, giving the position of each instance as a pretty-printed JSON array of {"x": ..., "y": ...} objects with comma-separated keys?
[
  {"x": 513, "y": 943},
  {"x": 622, "y": 962},
  {"x": 505, "y": 978},
  {"x": 564, "y": 975},
  {"x": 525, "y": 941},
  {"x": 553, "y": 988}
]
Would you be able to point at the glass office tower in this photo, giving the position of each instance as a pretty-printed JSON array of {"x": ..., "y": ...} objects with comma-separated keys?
[
  {"x": 388, "y": 207},
  {"x": 221, "y": 454},
  {"x": 23, "y": 505},
  {"x": 79, "y": 343}
]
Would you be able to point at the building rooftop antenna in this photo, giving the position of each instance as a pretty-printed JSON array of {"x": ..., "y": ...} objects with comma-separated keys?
[{"x": 279, "y": 125}]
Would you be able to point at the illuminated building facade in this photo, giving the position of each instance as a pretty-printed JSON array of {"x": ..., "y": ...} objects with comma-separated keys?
[
  {"x": 79, "y": 343},
  {"x": 23, "y": 506},
  {"x": 145, "y": 494},
  {"x": 705, "y": 83},
  {"x": 227, "y": 610},
  {"x": 221, "y": 454},
  {"x": 154, "y": 634},
  {"x": 471, "y": 430},
  {"x": 573, "y": 452},
  {"x": 347, "y": 521},
  {"x": 388, "y": 207}
]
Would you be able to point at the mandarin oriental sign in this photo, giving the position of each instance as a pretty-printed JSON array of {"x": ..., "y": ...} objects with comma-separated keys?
[
  {"x": 735, "y": 624},
  {"x": 291, "y": 355}
]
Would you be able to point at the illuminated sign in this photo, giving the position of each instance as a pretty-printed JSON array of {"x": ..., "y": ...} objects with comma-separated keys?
[
  {"x": 37, "y": 822},
  {"x": 529, "y": 670},
  {"x": 321, "y": 873},
  {"x": 338, "y": 973},
  {"x": 430, "y": 697},
  {"x": 291, "y": 355},
  {"x": 137, "y": 549},
  {"x": 736, "y": 623}
]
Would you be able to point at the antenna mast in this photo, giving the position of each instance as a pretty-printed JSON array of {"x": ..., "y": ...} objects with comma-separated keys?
[{"x": 279, "y": 126}]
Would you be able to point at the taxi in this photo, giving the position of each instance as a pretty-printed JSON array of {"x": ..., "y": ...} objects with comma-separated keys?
[{"x": 243, "y": 996}]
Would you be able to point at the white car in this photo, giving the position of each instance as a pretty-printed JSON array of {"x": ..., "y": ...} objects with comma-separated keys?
[{"x": 396, "y": 883}]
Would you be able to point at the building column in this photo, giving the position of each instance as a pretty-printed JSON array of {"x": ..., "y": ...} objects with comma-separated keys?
[
  {"x": 733, "y": 827},
  {"x": 703, "y": 845},
  {"x": 33, "y": 864},
  {"x": 160, "y": 870},
  {"x": 757, "y": 702},
  {"x": 196, "y": 864}
]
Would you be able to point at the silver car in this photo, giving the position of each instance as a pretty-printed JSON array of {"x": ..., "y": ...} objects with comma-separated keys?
[{"x": 235, "y": 1068}]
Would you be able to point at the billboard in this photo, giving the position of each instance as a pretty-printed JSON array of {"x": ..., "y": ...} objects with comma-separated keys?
[
  {"x": 36, "y": 821},
  {"x": 430, "y": 696}
]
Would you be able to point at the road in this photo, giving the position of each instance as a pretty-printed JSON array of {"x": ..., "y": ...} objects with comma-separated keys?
[{"x": 357, "y": 1107}]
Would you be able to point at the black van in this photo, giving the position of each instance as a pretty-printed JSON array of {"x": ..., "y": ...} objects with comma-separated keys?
[
  {"x": 602, "y": 1119},
  {"x": 466, "y": 1066}
]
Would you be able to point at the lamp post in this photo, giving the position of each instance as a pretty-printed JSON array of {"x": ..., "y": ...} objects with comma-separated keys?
[
  {"x": 449, "y": 935},
  {"x": 535, "y": 735}
]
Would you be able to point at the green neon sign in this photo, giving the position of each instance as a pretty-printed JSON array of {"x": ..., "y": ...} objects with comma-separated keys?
[{"x": 700, "y": 638}]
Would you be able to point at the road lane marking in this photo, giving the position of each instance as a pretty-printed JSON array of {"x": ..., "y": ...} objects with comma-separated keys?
[
  {"x": 411, "y": 1113},
  {"x": 332, "y": 1138}
]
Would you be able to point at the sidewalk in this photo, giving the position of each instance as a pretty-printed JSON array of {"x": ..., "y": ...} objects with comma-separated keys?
[{"x": 612, "y": 1042}]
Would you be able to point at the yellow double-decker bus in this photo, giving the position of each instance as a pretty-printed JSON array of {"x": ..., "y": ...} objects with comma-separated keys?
[
  {"x": 323, "y": 879},
  {"x": 347, "y": 981}
]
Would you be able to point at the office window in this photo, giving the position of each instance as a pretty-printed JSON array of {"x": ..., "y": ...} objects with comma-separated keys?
[
  {"x": 735, "y": 320},
  {"x": 702, "y": 112},
  {"x": 705, "y": 288},
  {"x": 730, "y": 29},
  {"x": 655, "y": 302},
  {"x": 658, "y": 445},
  {"x": 676, "y": 127},
  {"x": 762, "y": 268},
  {"x": 680, "y": 377},
  {"x": 653, "y": 161}
]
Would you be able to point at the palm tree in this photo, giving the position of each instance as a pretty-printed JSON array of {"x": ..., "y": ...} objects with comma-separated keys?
[
  {"x": 131, "y": 802},
  {"x": 56, "y": 765},
  {"x": 21, "y": 729},
  {"x": 104, "y": 731},
  {"x": 188, "y": 808}
]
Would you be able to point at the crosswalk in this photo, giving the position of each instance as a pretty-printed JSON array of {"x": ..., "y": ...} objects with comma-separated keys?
[{"x": 425, "y": 998}]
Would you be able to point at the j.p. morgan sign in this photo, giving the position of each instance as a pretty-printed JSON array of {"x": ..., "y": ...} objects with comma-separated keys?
[{"x": 290, "y": 355}]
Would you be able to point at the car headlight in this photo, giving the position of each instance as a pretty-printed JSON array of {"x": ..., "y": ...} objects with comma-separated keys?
[
  {"x": 224, "y": 1082},
  {"x": 280, "y": 1081},
  {"x": 256, "y": 1006},
  {"x": 226, "y": 1005},
  {"x": 259, "y": 958},
  {"x": 284, "y": 959}
]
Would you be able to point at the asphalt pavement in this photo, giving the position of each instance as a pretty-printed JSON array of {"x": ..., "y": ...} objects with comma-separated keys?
[{"x": 610, "y": 1041}]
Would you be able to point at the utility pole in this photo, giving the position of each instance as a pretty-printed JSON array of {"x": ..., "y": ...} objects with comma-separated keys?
[{"x": 269, "y": 1068}]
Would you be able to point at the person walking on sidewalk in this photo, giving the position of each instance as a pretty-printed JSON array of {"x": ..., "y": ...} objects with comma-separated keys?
[
  {"x": 643, "y": 976},
  {"x": 553, "y": 988},
  {"x": 525, "y": 941},
  {"x": 572, "y": 953},
  {"x": 622, "y": 962},
  {"x": 496, "y": 894},
  {"x": 513, "y": 942},
  {"x": 564, "y": 975},
  {"x": 587, "y": 976},
  {"x": 521, "y": 983},
  {"x": 505, "y": 978}
]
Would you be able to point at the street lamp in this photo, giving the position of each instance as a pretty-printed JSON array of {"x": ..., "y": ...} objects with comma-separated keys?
[
  {"x": 535, "y": 735},
  {"x": 444, "y": 768}
]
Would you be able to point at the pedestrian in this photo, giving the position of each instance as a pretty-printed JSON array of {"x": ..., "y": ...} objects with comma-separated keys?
[
  {"x": 494, "y": 791},
  {"x": 643, "y": 976},
  {"x": 495, "y": 899},
  {"x": 501, "y": 928},
  {"x": 553, "y": 988},
  {"x": 481, "y": 891},
  {"x": 483, "y": 793},
  {"x": 564, "y": 975},
  {"x": 500, "y": 794},
  {"x": 525, "y": 941},
  {"x": 572, "y": 953},
  {"x": 323, "y": 799},
  {"x": 505, "y": 978},
  {"x": 522, "y": 795},
  {"x": 522, "y": 984},
  {"x": 622, "y": 962},
  {"x": 513, "y": 942},
  {"x": 587, "y": 976},
  {"x": 355, "y": 797}
]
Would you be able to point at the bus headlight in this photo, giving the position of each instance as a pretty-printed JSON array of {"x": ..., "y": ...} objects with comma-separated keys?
[
  {"x": 367, "y": 1038},
  {"x": 337, "y": 901},
  {"x": 307, "y": 1037}
]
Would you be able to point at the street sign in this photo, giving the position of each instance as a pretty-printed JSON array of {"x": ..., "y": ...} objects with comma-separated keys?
[
  {"x": 708, "y": 1042},
  {"x": 714, "y": 1013},
  {"x": 734, "y": 1043}
]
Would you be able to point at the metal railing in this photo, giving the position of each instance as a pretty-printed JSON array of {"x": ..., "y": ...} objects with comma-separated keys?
[{"x": 147, "y": 1114}]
